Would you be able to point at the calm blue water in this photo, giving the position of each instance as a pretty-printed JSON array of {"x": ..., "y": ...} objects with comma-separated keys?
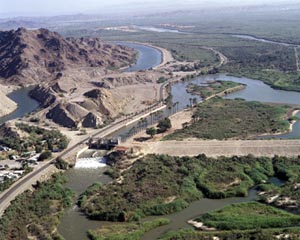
[
  {"x": 25, "y": 103},
  {"x": 148, "y": 57}
]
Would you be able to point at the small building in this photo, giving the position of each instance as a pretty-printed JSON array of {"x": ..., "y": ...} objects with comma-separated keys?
[
  {"x": 105, "y": 144},
  {"x": 34, "y": 159}
]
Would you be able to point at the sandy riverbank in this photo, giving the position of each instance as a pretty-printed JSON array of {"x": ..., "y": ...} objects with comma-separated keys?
[{"x": 7, "y": 105}]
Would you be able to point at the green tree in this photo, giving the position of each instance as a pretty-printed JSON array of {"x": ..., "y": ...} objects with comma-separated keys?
[
  {"x": 151, "y": 131},
  {"x": 164, "y": 124},
  {"x": 45, "y": 155}
]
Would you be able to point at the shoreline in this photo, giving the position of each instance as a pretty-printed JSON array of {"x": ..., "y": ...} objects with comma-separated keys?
[{"x": 166, "y": 55}]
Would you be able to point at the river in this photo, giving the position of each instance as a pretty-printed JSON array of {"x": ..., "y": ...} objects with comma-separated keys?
[
  {"x": 249, "y": 37},
  {"x": 148, "y": 57},
  {"x": 25, "y": 103},
  {"x": 74, "y": 225}
]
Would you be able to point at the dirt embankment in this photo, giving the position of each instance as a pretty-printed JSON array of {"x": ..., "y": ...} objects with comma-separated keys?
[
  {"x": 7, "y": 105},
  {"x": 214, "y": 148},
  {"x": 227, "y": 91}
]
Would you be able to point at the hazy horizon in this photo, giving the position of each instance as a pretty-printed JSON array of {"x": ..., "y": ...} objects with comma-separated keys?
[{"x": 26, "y": 8}]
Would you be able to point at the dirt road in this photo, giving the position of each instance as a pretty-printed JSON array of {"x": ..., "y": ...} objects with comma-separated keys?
[{"x": 214, "y": 148}]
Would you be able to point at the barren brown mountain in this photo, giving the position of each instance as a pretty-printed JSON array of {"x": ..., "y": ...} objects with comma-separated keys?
[{"x": 35, "y": 56}]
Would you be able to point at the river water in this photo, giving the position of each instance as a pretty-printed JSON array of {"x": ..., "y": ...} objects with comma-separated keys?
[
  {"x": 148, "y": 57},
  {"x": 249, "y": 37},
  {"x": 74, "y": 225},
  {"x": 157, "y": 29},
  {"x": 25, "y": 103}
]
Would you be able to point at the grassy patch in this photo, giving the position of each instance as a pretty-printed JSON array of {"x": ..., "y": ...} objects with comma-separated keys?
[
  {"x": 222, "y": 119},
  {"x": 129, "y": 231}
]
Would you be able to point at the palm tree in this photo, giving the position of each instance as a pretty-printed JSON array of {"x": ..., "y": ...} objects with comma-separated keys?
[
  {"x": 195, "y": 101},
  {"x": 191, "y": 102}
]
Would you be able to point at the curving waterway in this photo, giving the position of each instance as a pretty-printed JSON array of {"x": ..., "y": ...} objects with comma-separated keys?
[
  {"x": 26, "y": 104},
  {"x": 249, "y": 37},
  {"x": 74, "y": 224},
  {"x": 148, "y": 57}
]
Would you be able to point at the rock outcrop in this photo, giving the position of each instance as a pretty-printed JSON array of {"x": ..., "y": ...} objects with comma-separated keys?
[
  {"x": 60, "y": 115},
  {"x": 46, "y": 96},
  {"x": 91, "y": 121}
]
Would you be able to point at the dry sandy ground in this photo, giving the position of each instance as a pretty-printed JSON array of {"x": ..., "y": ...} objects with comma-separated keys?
[
  {"x": 7, "y": 106},
  {"x": 177, "y": 120}
]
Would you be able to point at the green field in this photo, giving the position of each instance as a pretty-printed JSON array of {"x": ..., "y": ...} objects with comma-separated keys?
[{"x": 125, "y": 231}]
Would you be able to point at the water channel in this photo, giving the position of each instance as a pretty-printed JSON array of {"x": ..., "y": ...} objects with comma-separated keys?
[
  {"x": 148, "y": 57},
  {"x": 249, "y": 37},
  {"x": 25, "y": 103},
  {"x": 74, "y": 225}
]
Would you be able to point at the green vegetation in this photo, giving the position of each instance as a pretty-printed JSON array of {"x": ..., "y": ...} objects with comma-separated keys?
[
  {"x": 131, "y": 231},
  {"x": 250, "y": 220},
  {"x": 255, "y": 234},
  {"x": 151, "y": 131},
  {"x": 223, "y": 118},
  {"x": 37, "y": 213},
  {"x": 288, "y": 195},
  {"x": 212, "y": 88},
  {"x": 45, "y": 155},
  {"x": 62, "y": 164},
  {"x": 39, "y": 139},
  {"x": 251, "y": 215},
  {"x": 163, "y": 125},
  {"x": 160, "y": 184},
  {"x": 161, "y": 80}
]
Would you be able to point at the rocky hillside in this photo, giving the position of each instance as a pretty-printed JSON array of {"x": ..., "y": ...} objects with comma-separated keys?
[{"x": 35, "y": 56}]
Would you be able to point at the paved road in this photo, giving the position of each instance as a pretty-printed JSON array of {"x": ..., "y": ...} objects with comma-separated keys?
[{"x": 214, "y": 148}]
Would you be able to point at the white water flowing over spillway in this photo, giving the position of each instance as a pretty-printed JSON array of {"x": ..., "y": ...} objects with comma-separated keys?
[{"x": 90, "y": 163}]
